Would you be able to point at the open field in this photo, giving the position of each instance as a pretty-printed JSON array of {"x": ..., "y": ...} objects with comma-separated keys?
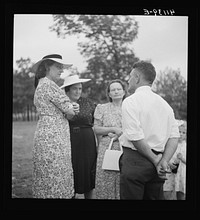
[{"x": 22, "y": 143}]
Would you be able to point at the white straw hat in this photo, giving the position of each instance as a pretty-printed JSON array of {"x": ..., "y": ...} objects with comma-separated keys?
[
  {"x": 55, "y": 57},
  {"x": 73, "y": 79}
]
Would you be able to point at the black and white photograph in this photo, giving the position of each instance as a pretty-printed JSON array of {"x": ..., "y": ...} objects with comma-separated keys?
[{"x": 100, "y": 107}]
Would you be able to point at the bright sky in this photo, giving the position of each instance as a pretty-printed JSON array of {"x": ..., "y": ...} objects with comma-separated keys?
[{"x": 163, "y": 39}]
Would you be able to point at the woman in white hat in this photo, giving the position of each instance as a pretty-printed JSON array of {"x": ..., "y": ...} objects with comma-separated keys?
[
  {"x": 52, "y": 167},
  {"x": 83, "y": 142}
]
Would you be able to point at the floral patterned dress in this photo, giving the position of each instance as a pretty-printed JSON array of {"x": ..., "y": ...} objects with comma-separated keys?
[
  {"x": 107, "y": 182},
  {"x": 180, "y": 177},
  {"x": 169, "y": 184},
  {"x": 52, "y": 167}
]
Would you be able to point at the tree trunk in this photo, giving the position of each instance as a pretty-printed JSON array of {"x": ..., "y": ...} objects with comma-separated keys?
[{"x": 27, "y": 110}]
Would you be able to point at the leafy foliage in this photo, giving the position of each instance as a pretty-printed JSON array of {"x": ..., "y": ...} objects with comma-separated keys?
[
  {"x": 109, "y": 56},
  {"x": 107, "y": 49},
  {"x": 173, "y": 88},
  {"x": 23, "y": 85}
]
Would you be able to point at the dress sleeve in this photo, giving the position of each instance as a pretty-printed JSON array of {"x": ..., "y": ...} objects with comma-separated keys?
[
  {"x": 58, "y": 97},
  {"x": 98, "y": 115}
]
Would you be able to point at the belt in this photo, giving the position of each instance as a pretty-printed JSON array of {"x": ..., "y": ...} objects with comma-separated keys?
[{"x": 77, "y": 129}]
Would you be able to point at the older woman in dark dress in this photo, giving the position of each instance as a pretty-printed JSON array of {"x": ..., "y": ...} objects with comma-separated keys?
[{"x": 83, "y": 141}]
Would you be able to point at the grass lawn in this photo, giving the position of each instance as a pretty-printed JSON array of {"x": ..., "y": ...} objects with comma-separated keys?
[{"x": 22, "y": 143}]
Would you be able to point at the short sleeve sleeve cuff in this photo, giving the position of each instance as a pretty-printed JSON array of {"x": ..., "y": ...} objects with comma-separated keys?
[{"x": 134, "y": 136}]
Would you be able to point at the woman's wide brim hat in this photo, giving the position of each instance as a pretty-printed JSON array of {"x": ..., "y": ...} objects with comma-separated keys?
[
  {"x": 73, "y": 79},
  {"x": 55, "y": 57}
]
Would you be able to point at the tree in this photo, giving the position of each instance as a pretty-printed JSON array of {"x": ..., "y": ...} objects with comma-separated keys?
[
  {"x": 173, "y": 88},
  {"x": 23, "y": 88},
  {"x": 108, "y": 51}
]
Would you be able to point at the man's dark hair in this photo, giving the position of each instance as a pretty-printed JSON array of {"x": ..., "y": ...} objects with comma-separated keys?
[{"x": 147, "y": 70}]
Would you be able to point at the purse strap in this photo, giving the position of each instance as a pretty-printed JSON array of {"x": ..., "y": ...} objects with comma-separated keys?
[{"x": 111, "y": 143}]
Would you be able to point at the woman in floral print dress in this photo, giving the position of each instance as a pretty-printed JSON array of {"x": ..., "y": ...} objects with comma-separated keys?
[
  {"x": 107, "y": 124},
  {"x": 52, "y": 167}
]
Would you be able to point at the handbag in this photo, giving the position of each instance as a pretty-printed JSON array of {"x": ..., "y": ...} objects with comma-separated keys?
[{"x": 111, "y": 158}]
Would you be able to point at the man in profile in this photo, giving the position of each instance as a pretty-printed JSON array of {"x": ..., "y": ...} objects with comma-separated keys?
[{"x": 149, "y": 139}]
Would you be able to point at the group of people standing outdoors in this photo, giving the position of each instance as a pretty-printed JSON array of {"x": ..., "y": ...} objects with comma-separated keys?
[{"x": 73, "y": 133}]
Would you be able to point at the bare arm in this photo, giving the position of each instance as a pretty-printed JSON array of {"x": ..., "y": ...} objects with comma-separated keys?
[
  {"x": 160, "y": 161},
  {"x": 144, "y": 149},
  {"x": 100, "y": 130},
  {"x": 170, "y": 148}
]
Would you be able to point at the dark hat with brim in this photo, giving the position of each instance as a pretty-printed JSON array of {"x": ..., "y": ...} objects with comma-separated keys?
[{"x": 55, "y": 57}]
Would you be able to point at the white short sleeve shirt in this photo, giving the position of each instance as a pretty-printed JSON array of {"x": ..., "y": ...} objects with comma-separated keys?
[{"x": 146, "y": 115}]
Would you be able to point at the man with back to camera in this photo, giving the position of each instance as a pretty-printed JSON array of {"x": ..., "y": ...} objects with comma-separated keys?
[{"x": 149, "y": 139}]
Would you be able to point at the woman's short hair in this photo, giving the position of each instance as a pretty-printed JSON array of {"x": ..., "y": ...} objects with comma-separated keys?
[
  {"x": 116, "y": 81},
  {"x": 42, "y": 70},
  {"x": 67, "y": 88}
]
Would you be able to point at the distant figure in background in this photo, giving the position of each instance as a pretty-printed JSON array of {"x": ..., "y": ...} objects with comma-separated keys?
[
  {"x": 52, "y": 166},
  {"x": 83, "y": 141},
  {"x": 149, "y": 139},
  {"x": 107, "y": 124},
  {"x": 169, "y": 184},
  {"x": 180, "y": 176},
  {"x": 175, "y": 185}
]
